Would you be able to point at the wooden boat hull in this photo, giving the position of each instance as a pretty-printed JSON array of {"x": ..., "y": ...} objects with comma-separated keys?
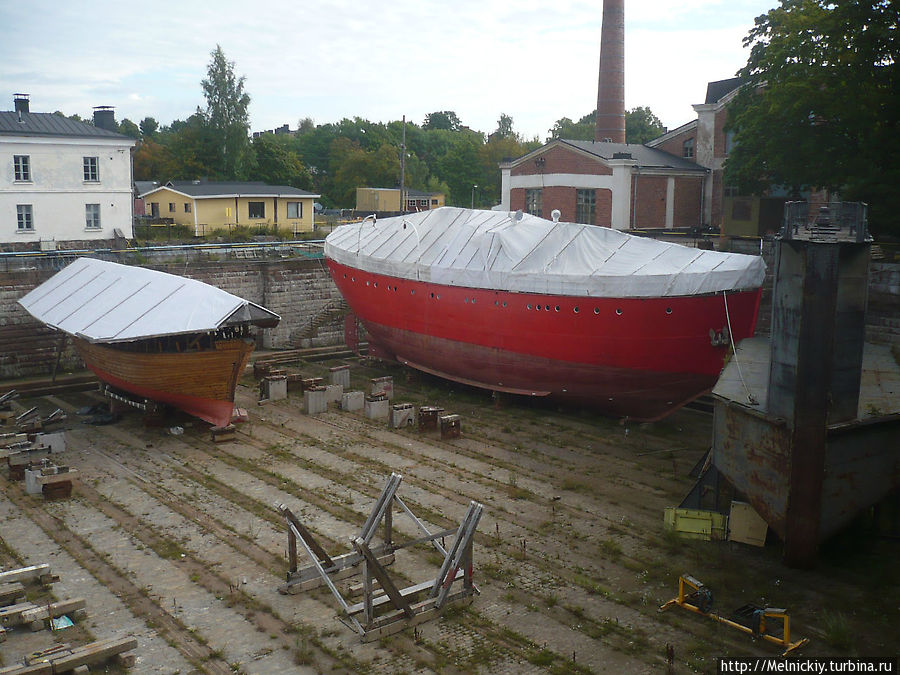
[
  {"x": 640, "y": 358},
  {"x": 201, "y": 383}
]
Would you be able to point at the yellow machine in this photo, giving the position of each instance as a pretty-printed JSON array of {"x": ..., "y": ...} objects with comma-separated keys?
[{"x": 763, "y": 622}]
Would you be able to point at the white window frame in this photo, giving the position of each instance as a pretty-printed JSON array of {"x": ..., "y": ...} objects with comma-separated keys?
[
  {"x": 25, "y": 214},
  {"x": 91, "y": 167},
  {"x": 92, "y": 216},
  {"x": 22, "y": 168}
]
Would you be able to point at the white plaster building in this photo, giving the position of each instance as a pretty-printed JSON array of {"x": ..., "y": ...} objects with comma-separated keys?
[{"x": 62, "y": 180}]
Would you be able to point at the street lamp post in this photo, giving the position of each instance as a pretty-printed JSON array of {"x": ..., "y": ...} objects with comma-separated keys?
[{"x": 473, "y": 195}]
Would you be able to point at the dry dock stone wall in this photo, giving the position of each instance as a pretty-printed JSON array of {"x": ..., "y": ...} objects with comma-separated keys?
[{"x": 299, "y": 290}]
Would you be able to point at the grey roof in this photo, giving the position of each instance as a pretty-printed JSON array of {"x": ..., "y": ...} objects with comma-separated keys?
[
  {"x": 144, "y": 186},
  {"x": 645, "y": 156},
  {"x": 106, "y": 302},
  {"x": 231, "y": 189},
  {"x": 51, "y": 124},
  {"x": 715, "y": 91}
]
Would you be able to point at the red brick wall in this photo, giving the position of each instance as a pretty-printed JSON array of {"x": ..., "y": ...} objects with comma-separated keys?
[
  {"x": 719, "y": 133},
  {"x": 688, "y": 192},
  {"x": 649, "y": 202},
  {"x": 675, "y": 145},
  {"x": 563, "y": 160},
  {"x": 564, "y": 199}
]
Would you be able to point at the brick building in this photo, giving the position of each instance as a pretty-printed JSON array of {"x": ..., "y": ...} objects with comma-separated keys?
[
  {"x": 618, "y": 185},
  {"x": 673, "y": 181},
  {"x": 705, "y": 142}
]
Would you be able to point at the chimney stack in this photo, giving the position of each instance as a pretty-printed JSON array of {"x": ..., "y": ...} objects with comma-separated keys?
[
  {"x": 611, "y": 87},
  {"x": 105, "y": 118},
  {"x": 21, "y": 103}
]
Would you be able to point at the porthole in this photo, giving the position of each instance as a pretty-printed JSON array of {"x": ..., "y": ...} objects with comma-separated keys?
[
  {"x": 537, "y": 307},
  {"x": 438, "y": 296},
  {"x": 367, "y": 283},
  {"x": 496, "y": 303},
  {"x": 668, "y": 310},
  {"x": 412, "y": 291},
  {"x": 529, "y": 306},
  {"x": 547, "y": 307},
  {"x": 473, "y": 301},
  {"x": 596, "y": 310},
  {"x": 432, "y": 295},
  {"x": 619, "y": 312},
  {"x": 466, "y": 300},
  {"x": 557, "y": 308},
  {"x": 576, "y": 310},
  {"x": 376, "y": 284},
  {"x": 504, "y": 303},
  {"x": 352, "y": 278}
]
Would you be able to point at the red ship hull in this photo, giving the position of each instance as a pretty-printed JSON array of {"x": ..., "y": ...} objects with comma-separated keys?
[{"x": 640, "y": 358}]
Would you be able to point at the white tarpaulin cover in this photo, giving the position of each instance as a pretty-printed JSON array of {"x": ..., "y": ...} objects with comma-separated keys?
[
  {"x": 494, "y": 249},
  {"x": 105, "y": 302}
]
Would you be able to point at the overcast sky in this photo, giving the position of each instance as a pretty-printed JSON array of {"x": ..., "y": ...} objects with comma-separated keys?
[{"x": 535, "y": 60}]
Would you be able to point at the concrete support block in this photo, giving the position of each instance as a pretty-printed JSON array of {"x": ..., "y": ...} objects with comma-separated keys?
[
  {"x": 315, "y": 400},
  {"x": 340, "y": 375},
  {"x": 377, "y": 408},
  {"x": 333, "y": 393},
  {"x": 383, "y": 386},
  {"x": 353, "y": 401},
  {"x": 274, "y": 388},
  {"x": 428, "y": 417},
  {"x": 403, "y": 415},
  {"x": 450, "y": 426}
]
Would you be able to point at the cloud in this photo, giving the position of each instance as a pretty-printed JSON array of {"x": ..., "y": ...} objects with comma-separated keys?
[{"x": 533, "y": 60}]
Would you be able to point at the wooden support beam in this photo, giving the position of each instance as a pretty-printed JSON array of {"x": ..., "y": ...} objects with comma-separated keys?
[
  {"x": 10, "y": 592},
  {"x": 12, "y": 615},
  {"x": 307, "y": 536},
  {"x": 33, "y": 669},
  {"x": 43, "y": 612},
  {"x": 383, "y": 579},
  {"x": 93, "y": 653},
  {"x": 40, "y": 572}
]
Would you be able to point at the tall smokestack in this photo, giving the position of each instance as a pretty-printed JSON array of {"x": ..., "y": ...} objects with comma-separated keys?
[{"x": 611, "y": 88}]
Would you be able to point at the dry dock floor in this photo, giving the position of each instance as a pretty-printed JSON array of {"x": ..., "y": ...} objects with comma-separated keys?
[{"x": 176, "y": 540}]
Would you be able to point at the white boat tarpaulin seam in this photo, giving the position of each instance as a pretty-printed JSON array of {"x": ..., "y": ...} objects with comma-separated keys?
[
  {"x": 492, "y": 250},
  {"x": 106, "y": 302}
]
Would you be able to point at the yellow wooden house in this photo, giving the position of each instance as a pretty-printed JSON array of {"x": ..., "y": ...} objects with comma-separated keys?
[
  {"x": 207, "y": 206},
  {"x": 388, "y": 200}
]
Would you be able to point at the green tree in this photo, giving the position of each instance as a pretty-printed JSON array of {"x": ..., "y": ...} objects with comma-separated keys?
[
  {"x": 277, "y": 164},
  {"x": 582, "y": 130},
  {"x": 195, "y": 148},
  {"x": 820, "y": 107},
  {"x": 149, "y": 127},
  {"x": 227, "y": 115},
  {"x": 129, "y": 128},
  {"x": 459, "y": 166},
  {"x": 504, "y": 127},
  {"x": 443, "y": 119},
  {"x": 152, "y": 161},
  {"x": 641, "y": 125}
]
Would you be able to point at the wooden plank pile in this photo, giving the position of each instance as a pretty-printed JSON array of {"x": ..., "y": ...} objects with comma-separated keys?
[
  {"x": 15, "y": 612},
  {"x": 64, "y": 658}
]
